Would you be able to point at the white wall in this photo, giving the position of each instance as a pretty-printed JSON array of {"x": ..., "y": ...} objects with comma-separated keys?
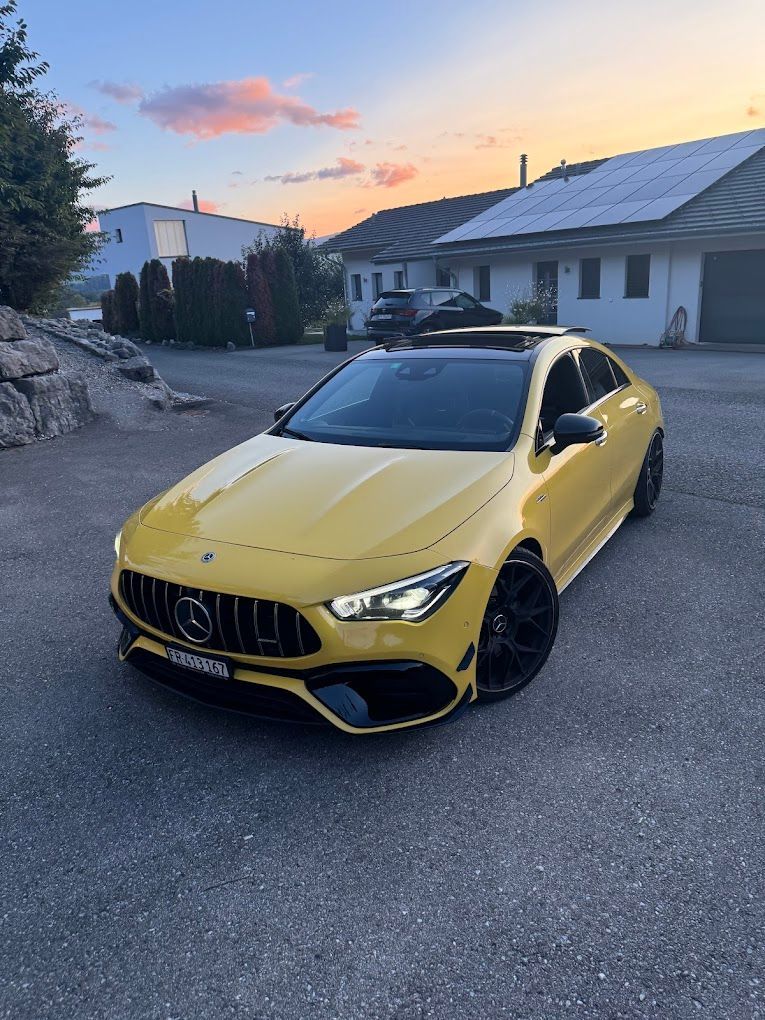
[{"x": 207, "y": 235}]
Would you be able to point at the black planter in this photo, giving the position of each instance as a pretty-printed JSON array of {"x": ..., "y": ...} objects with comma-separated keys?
[{"x": 335, "y": 337}]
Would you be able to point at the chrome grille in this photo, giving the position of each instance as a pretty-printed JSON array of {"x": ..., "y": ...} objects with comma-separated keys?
[{"x": 239, "y": 624}]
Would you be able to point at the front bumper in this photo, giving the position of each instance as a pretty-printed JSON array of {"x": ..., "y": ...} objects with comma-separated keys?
[{"x": 367, "y": 676}]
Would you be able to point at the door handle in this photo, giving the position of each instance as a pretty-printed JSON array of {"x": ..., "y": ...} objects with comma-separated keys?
[
  {"x": 641, "y": 408},
  {"x": 602, "y": 440}
]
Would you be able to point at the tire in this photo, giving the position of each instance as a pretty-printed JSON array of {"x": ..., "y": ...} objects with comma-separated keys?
[
  {"x": 650, "y": 478},
  {"x": 519, "y": 627}
]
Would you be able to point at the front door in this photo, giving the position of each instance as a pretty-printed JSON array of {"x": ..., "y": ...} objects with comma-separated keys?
[
  {"x": 547, "y": 292},
  {"x": 578, "y": 478}
]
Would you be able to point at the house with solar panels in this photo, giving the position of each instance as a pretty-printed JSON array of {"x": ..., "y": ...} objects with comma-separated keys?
[{"x": 618, "y": 245}]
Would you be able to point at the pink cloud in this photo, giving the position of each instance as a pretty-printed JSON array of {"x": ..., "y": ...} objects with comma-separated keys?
[
  {"x": 297, "y": 79},
  {"x": 92, "y": 121},
  {"x": 123, "y": 92},
  {"x": 249, "y": 106},
  {"x": 343, "y": 167},
  {"x": 390, "y": 175},
  {"x": 204, "y": 205}
]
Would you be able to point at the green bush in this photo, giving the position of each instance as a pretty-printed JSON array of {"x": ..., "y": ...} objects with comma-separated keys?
[
  {"x": 155, "y": 306},
  {"x": 289, "y": 326},
  {"x": 107, "y": 311},
  {"x": 259, "y": 298},
  {"x": 230, "y": 304},
  {"x": 126, "y": 304}
]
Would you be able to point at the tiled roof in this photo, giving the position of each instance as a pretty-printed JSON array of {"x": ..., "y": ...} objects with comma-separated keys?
[
  {"x": 572, "y": 169},
  {"x": 412, "y": 227}
]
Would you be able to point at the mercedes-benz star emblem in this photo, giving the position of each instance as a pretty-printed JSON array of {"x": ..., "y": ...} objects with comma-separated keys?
[
  {"x": 193, "y": 620},
  {"x": 208, "y": 557}
]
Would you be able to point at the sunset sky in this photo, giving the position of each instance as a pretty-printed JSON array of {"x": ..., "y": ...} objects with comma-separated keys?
[{"x": 334, "y": 110}]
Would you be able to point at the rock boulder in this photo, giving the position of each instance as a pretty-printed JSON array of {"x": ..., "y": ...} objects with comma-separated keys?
[
  {"x": 11, "y": 326},
  {"x": 26, "y": 357},
  {"x": 58, "y": 402}
]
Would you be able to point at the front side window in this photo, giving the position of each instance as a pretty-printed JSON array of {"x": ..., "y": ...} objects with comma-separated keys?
[
  {"x": 597, "y": 373},
  {"x": 170, "y": 236},
  {"x": 465, "y": 301},
  {"x": 638, "y": 274},
  {"x": 589, "y": 278},
  {"x": 356, "y": 287},
  {"x": 564, "y": 393},
  {"x": 417, "y": 400},
  {"x": 442, "y": 297}
]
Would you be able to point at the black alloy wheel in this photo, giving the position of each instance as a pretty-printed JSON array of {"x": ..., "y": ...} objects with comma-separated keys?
[
  {"x": 518, "y": 628},
  {"x": 651, "y": 476}
]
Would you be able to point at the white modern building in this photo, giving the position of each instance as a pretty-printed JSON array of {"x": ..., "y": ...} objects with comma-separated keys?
[
  {"x": 144, "y": 230},
  {"x": 622, "y": 243}
]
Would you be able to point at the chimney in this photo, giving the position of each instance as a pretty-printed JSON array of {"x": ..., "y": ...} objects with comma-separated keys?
[
  {"x": 563, "y": 170},
  {"x": 195, "y": 201},
  {"x": 524, "y": 169}
]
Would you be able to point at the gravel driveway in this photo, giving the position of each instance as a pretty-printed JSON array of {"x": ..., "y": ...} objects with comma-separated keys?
[{"x": 590, "y": 848}]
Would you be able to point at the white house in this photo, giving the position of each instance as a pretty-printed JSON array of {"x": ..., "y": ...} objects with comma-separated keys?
[
  {"x": 623, "y": 243},
  {"x": 144, "y": 230}
]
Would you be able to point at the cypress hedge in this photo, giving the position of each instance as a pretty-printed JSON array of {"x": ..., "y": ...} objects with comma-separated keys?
[
  {"x": 126, "y": 303},
  {"x": 210, "y": 302},
  {"x": 156, "y": 302},
  {"x": 107, "y": 311},
  {"x": 289, "y": 326},
  {"x": 259, "y": 297}
]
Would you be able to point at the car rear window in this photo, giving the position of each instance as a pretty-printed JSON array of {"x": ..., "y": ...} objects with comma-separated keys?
[{"x": 393, "y": 299}]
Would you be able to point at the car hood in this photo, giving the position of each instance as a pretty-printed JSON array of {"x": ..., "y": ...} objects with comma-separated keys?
[{"x": 337, "y": 502}]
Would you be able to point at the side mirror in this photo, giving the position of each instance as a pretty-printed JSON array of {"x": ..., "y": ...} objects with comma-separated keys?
[
  {"x": 573, "y": 429},
  {"x": 281, "y": 411}
]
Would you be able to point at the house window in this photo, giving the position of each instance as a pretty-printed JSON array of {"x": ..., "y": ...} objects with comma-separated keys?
[
  {"x": 170, "y": 236},
  {"x": 398, "y": 279},
  {"x": 356, "y": 287},
  {"x": 483, "y": 283},
  {"x": 118, "y": 236},
  {"x": 637, "y": 276},
  {"x": 377, "y": 285},
  {"x": 589, "y": 278},
  {"x": 443, "y": 278}
]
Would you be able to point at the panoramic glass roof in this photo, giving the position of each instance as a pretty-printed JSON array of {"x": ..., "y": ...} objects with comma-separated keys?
[{"x": 637, "y": 186}]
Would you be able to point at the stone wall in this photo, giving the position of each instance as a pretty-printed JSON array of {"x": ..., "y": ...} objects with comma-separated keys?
[{"x": 37, "y": 399}]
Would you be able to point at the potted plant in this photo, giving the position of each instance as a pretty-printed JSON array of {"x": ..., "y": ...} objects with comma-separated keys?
[{"x": 336, "y": 326}]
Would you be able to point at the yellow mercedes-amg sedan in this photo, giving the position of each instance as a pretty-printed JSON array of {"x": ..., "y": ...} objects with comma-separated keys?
[{"x": 394, "y": 546}]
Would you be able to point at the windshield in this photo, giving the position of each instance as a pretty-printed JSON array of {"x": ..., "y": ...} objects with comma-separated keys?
[{"x": 432, "y": 403}]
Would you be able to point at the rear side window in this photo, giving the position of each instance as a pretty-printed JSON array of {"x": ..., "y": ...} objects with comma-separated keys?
[
  {"x": 394, "y": 299},
  {"x": 597, "y": 373},
  {"x": 442, "y": 297},
  {"x": 622, "y": 379}
]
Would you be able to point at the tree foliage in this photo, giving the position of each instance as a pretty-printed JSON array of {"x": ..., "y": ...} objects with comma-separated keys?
[
  {"x": 284, "y": 294},
  {"x": 318, "y": 276},
  {"x": 155, "y": 303},
  {"x": 126, "y": 303},
  {"x": 42, "y": 219}
]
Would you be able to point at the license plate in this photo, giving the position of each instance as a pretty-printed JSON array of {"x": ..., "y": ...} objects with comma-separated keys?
[
  {"x": 201, "y": 663},
  {"x": 383, "y": 316}
]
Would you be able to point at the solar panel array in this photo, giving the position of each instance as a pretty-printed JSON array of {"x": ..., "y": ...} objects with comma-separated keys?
[{"x": 632, "y": 188}]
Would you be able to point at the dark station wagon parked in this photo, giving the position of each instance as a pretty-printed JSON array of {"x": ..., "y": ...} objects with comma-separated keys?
[{"x": 424, "y": 309}]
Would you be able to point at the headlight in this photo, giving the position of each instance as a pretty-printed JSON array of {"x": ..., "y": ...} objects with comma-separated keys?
[
  {"x": 117, "y": 538},
  {"x": 414, "y": 598}
]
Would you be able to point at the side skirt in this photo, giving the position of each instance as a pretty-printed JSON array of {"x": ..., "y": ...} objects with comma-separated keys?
[{"x": 622, "y": 516}]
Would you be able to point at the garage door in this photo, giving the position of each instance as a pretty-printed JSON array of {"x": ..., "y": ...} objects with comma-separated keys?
[{"x": 733, "y": 297}]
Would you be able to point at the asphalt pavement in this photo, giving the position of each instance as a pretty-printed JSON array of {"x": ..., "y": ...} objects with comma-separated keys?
[{"x": 591, "y": 848}]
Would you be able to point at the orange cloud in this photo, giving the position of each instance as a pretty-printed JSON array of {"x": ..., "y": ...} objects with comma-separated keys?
[
  {"x": 204, "y": 205},
  {"x": 297, "y": 79},
  {"x": 92, "y": 121},
  {"x": 390, "y": 175},
  {"x": 344, "y": 167},
  {"x": 249, "y": 106}
]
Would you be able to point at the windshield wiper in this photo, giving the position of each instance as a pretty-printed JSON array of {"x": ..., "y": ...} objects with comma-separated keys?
[{"x": 295, "y": 434}]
